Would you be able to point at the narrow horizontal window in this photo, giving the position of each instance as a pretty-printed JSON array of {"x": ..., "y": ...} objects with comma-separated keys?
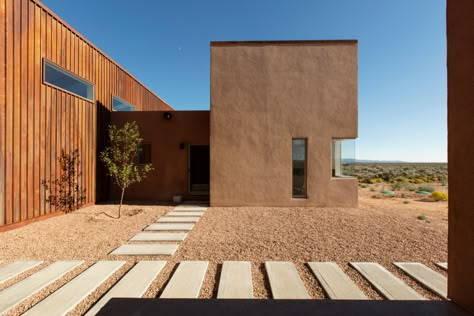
[
  {"x": 299, "y": 167},
  {"x": 121, "y": 105},
  {"x": 58, "y": 77},
  {"x": 343, "y": 157},
  {"x": 144, "y": 153}
]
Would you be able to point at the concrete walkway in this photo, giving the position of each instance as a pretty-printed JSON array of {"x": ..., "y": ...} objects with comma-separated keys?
[
  {"x": 234, "y": 282},
  {"x": 181, "y": 219}
]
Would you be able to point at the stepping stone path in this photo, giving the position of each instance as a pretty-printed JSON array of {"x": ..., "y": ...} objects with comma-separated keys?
[
  {"x": 15, "y": 268},
  {"x": 336, "y": 284},
  {"x": 386, "y": 283},
  {"x": 236, "y": 280},
  {"x": 180, "y": 219},
  {"x": 133, "y": 284},
  {"x": 186, "y": 282},
  {"x": 284, "y": 280},
  {"x": 429, "y": 278}
]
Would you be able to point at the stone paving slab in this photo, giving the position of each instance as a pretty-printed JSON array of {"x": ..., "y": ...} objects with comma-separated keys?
[
  {"x": 385, "y": 282},
  {"x": 285, "y": 281},
  {"x": 18, "y": 292},
  {"x": 236, "y": 280},
  {"x": 189, "y": 209},
  {"x": 166, "y": 219},
  {"x": 185, "y": 214},
  {"x": 432, "y": 280},
  {"x": 13, "y": 269},
  {"x": 187, "y": 280},
  {"x": 146, "y": 250},
  {"x": 171, "y": 227},
  {"x": 159, "y": 237},
  {"x": 72, "y": 293},
  {"x": 133, "y": 284},
  {"x": 442, "y": 265},
  {"x": 336, "y": 284}
]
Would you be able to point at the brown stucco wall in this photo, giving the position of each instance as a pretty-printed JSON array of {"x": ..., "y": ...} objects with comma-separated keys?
[
  {"x": 263, "y": 94},
  {"x": 460, "y": 32},
  {"x": 170, "y": 174}
]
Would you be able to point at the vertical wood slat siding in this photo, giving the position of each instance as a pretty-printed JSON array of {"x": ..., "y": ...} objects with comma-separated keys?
[
  {"x": 37, "y": 121},
  {"x": 3, "y": 62}
]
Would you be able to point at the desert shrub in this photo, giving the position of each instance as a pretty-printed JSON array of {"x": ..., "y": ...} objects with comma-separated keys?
[
  {"x": 403, "y": 195},
  {"x": 426, "y": 189},
  {"x": 363, "y": 185},
  {"x": 421, "y": 217},
  {"x": 375, "y": 180},
  {"x": 66, "y": 192},
  {"x": 375, "y": 196},
  {"x": 373, "y": 189},
  {"x": 406, "y": 202},
  {"x": 411, "y": 188},
  {"x": 439, "y": 196}
]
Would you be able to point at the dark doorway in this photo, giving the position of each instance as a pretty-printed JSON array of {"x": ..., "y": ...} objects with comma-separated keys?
[{"x": 198, "y": 167}]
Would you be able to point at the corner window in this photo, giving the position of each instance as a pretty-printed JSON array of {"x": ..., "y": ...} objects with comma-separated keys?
[
  {"x": 299, "y": 167},
  {"x": 121, "y": 106},
  {"x": 343, "y": 157},
  {"x": 144, "y": 154},
  {"x": 62, "y": 79}
]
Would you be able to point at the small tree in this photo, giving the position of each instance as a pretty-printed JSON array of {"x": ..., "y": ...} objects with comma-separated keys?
[
  {"x": 120, "y": 157},
  {"x": 65, "y": 193}
]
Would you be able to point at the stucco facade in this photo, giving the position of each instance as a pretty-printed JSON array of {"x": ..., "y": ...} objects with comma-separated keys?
[
  {"x": 170, "y": 140},
  {"x": 264, "y": 94}
]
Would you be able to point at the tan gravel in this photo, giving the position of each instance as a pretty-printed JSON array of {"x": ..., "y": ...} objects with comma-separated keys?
[{"x": 380, "y": 230}]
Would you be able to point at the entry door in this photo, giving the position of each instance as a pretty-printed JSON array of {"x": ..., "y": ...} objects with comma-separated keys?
[{"x": 198, "y": 169}]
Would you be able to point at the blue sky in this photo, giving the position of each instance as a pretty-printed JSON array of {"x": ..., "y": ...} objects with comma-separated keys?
[{"x": 402, "y": 55}]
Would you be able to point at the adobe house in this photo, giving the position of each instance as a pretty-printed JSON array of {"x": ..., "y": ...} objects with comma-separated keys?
[{"x": 279, "y": 111}]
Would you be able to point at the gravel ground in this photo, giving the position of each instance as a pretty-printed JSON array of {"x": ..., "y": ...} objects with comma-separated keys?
[{"x": 381, "y": 230}]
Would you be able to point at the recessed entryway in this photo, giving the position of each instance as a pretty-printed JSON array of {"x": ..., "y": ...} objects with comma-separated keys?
[{"x": 198, "y": 169}]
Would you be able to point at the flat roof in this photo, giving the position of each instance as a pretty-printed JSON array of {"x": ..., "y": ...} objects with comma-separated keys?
[{"x": 347, "y": 41}]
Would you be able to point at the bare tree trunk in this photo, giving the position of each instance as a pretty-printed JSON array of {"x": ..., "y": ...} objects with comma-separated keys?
[{"x": 121, "y": 201}]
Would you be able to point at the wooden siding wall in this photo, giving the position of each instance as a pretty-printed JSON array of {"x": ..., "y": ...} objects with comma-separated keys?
[{"x": 37, "y": 121}]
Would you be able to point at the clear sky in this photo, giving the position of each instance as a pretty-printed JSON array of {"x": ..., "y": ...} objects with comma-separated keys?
[{"x": 402, "y": 55}]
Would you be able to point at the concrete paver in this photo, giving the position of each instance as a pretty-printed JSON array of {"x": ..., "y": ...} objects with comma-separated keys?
[
  {"x": 285, "y": 281},
  {"x": 72, "y": 293},
  {"x": 235, "y": 280},
  {"x": 13, "y": 269},
  {"x": 186, "y": 281},
  {"x": 159, "y": 237},
  {"x": 18, "y": 292},
  {"x": 170, "y": 227},
  {"x": 168, "y": 219},
  {"x": 133, "y": 284},
  {"x": 146, "y": 250},
  {"x": 432, "y": 280},
  {"x": 385, "y": 282},
  {"x": 336, "y": 284}
]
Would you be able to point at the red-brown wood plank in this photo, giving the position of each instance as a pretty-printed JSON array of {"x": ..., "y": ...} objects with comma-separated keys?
[
  {"x": 9, "y": 113},
  {"x": 31, "y": 110},
  {"x": 37, "y": 111},
  {"x": 16, "y": 109},
  {"x": 2, "y": 110},
  {"x": 24, "y": 111}
]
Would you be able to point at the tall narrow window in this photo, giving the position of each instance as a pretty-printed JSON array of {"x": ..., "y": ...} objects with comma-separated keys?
[
  {"x": 144, "y": 154},
  {"x": 60, "y": 78},
  {"x": 121, "y": 105},
  {"x": 299, "y": 167}
]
